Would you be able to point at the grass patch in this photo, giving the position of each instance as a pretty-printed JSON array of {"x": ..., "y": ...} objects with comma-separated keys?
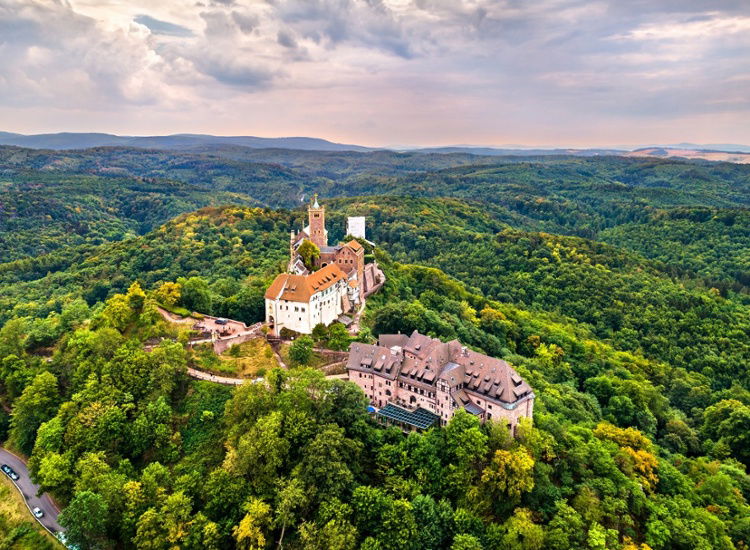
[
  {"x": 182, "y": 312},
  {"x": 316, "y": 362},
  {"x": 247, "y": 360},
  {"x": 18, "y": 530}
]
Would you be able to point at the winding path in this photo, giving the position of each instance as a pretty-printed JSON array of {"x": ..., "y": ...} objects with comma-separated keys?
[
  {"x": 208, "y": 377},
  {"x": 29, "y": 490}
]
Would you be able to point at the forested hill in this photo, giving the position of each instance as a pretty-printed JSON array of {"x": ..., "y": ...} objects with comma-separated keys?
[
  {"x": 41, "y": 212},
  {"x": 564, "y": 195},
  {"x": 622, "y": 297},
  {"x": 630, "y": 449},
  {"x": 617, "y": 287}
]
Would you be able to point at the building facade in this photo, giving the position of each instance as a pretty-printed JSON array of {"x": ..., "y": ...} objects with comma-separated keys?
[
  {"x": 355, "y": 226},
  {"x": 299, "y": 302},
  {"x": 337, "y": 285},
  {"x": 364, "y": 279},
  {"x": 316, "y": 229},
  {"x": 416, "y": 381}
]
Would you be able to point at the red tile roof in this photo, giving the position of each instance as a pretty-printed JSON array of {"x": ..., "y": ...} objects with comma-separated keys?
[{"x": 300, "y": 288}]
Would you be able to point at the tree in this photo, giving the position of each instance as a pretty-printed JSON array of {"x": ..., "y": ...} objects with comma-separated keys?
[
  {"x": 249, "y": 304},
  {"x": 727, "y": 423},
  {"x": 309, "y": 252},
  {"x": 150, "y": 531},
  {"x": 463, "y": 541},
  {"x": 117, "y": 313},
  {"x": 435, "y": 521},
  {"x": 176, "y": 517},
  {"x": 136, "y": 297},
  {"x": 55, "y": 472},
  {"x": 195, "y": 294},
  {"x": 510, "y": 473},
  {"x": 260, "y": 453},
  {"x": 290, "y": 498},
  {"x": 85, "y": 520},
  {"x": 320, "y": 333},
  {"x": 36, "y": 405},
  {"x": 466, "y": 447},
  {"x": 73, "y": 314},
  {"x": 521, "y": 533},
  {"x": 16, "y": 375},
  {"x": 250, "y": 533},
  {"x": 566, "y": 529},
  {"x": 399, "y": 528},
  {"x": 369, "y": 503},
  {"x": 338, "y": 337},
  {"x": 301, "y": 350},
  {"x": 13, "y": 336},
  {"x": 335, "y": 534},
  {"x": 325, "y": 465},
  {"x": 168, "y": 294}
]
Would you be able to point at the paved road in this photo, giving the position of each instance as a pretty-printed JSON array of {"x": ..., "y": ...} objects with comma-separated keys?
[{"x": 29, "y": 491}]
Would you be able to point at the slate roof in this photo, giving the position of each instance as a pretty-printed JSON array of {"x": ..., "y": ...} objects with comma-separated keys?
[
  {"x": 391, "y": 340},
  {"x": 421, "y": 361}
]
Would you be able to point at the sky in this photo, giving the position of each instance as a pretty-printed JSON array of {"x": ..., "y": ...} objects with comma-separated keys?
[{"x": 382, "y": 72}]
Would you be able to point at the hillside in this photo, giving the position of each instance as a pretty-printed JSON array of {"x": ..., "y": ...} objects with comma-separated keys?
[
  {"x": 621, "y": 296},
  {"x": 623, "y": 447},
  {"x": 713, "y": 243},
  {"x": 41, "y": 212},
  {"x": 616, "y": 287},
  {"x": 731, "y": 155}
]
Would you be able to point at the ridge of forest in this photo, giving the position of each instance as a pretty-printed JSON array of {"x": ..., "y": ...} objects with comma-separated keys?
[{"x": 618, "y": 288}]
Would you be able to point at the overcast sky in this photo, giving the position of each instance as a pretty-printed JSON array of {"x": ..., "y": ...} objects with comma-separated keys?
[{"x": 382, "y": 72}]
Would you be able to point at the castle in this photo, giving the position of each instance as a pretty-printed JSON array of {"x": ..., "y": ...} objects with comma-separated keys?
[
  {"x": 416, "y": 382},
  {"x": 335, "y": 285}
]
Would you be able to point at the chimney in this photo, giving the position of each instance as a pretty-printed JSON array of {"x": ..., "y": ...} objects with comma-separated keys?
[{"x": 464, "y": 352}]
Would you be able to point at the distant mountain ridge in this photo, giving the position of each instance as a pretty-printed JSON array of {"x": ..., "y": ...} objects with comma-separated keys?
[
  {"x": 70, "y": 140},
  {"x": 520, "y": 151},
  {"x": 193, "y": 142}
]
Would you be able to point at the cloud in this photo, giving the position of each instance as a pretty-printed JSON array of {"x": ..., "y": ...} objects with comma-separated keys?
[
  {"x": 162, "y": 27},
  {"x": 458, "y": 70}
]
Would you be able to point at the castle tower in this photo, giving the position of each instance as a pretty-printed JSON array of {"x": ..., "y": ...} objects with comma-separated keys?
[
  {"x": 292, "y": 252},
  {"x": 317, "y": 218}
]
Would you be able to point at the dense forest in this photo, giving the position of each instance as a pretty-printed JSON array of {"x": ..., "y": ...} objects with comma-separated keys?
[{"x": 617, "y": 288}]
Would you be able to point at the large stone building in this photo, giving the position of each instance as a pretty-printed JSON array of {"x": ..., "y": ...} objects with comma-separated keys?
[
  {"x": 337, "y": 285},
  {"x": 417, "y": 381},
  {"x": 299, "y": 302}
]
